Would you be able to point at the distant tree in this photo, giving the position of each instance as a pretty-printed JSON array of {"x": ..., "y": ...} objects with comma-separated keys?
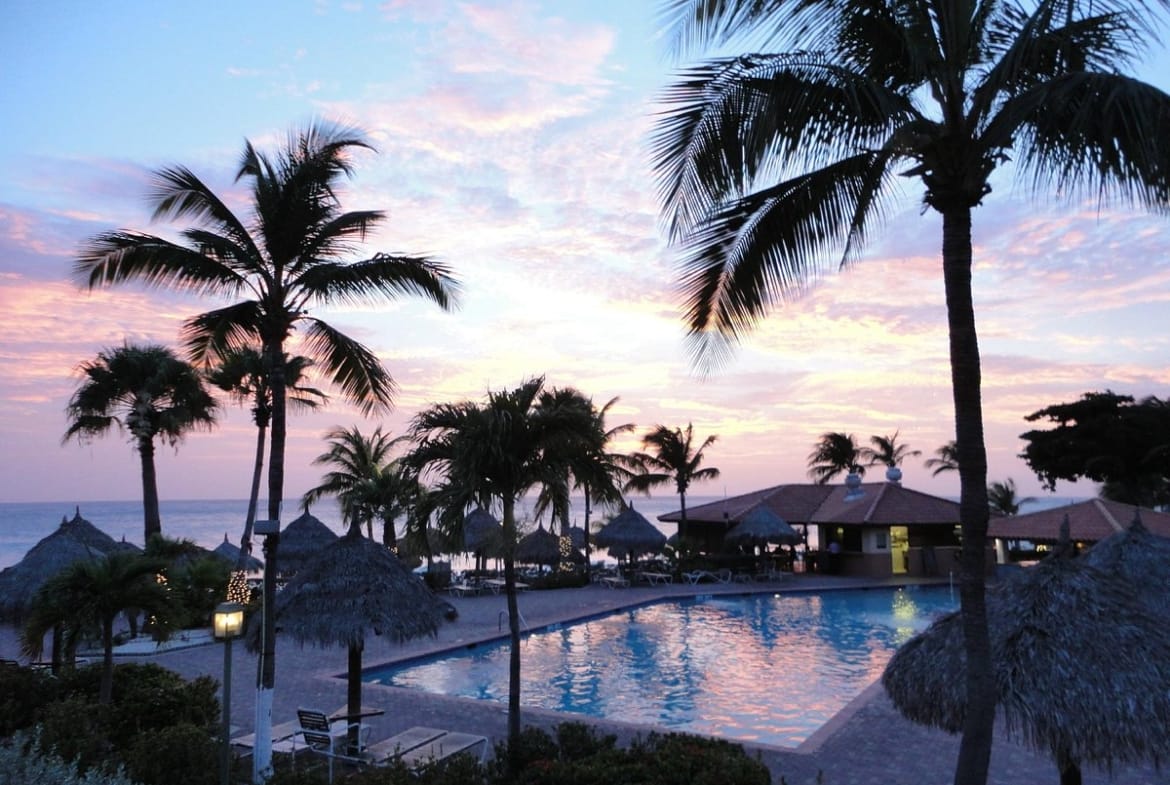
[
  {"x": 1002, "y": 498},
  {"x": 1108, "y": 438},
  {"x": 357, "y": 463},
  {"x": 243, "y": 374},
  {"x": 885, "y": 451},
  {"x": 151, "y": 393},
  {"x": 946, "y": 459},
  {"x": 835, "y": 453},
  {"x": 90, "y": 595},
  {"x": 670, "y": 455}
]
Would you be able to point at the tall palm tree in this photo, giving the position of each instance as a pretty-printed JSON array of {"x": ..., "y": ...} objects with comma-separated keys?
[
  {"x": 290, "y": 254},
  {"x": 357, "y": 462},
  {"x": 772, "y": 164},
  {"x": 1003, "y": 499},
  {"x": 91, "y": 594},
  {"x": 151, "y": 393},
  {"x": 242, "y": 374},
  {"x": 946, "y": 459},
  {"x": 885, "y": 451},
  {"x": 493, "y": 453},
  {"x": 835, "y": 453},
  {"x": 674, "y": 458}
]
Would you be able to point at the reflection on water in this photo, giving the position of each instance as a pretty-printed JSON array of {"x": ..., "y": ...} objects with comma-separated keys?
[{"x": 761, "y": 668}]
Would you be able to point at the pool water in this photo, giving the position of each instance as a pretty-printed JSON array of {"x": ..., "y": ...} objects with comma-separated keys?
[{"x": 764, "y": 668}]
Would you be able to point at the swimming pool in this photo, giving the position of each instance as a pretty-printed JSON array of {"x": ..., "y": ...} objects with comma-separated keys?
[{"x": 764, "y": 668}]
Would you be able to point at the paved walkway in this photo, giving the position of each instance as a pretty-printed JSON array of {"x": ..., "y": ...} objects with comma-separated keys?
[{"x": 868, "y": 743}]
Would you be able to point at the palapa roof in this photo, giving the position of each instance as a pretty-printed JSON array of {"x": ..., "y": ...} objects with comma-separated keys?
[
  {"x": 1140, "y": 557},
  {"x": 1089, "y": 521},
  {"x": 481, "y": 531},
  {"x": 629, "y": 533},
  {"x": 300, "y": 541},
  {"x": 1082, "y": 669},
  {"x": 760, "y": 525},
  {"x": 538, "y": 547},
  {"x": 879, "y": 504},
  {"x": 74, "y": 540},
  {"x": 355, "y": 588},
  {"x": 230, "y": 552}
]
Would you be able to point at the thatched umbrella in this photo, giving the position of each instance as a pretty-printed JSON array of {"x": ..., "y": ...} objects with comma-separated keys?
[
  {"x": 353, "y": 588},
  {"x": 1082, "y": 668},
  {"x": 1140, "y": 557},
  {"x": 74, "y": 540},
  {"x": 230, "y": 553},
  {"x": 760, "y": 526},
  {"x": 629, "y": 534},
  {"x": 539, "y": 547},
  {"x": 300, "y": 541},
  {"x": 482, "y": 535},
  {"x": 577, "y": 537}
]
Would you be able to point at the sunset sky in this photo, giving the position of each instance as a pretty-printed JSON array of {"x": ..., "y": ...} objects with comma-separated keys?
[{"x": 512, "y": 145}]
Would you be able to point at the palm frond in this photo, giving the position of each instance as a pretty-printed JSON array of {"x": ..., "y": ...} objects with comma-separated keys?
[
  {"x": 359, "y": 373},
  {"x": 383, "y": 276},
  {"x": 117, "y": 257},
  {"x": 218, "y": 332}
]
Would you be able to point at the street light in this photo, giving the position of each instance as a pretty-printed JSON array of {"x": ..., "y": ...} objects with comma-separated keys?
[{"x": 227, "y": 621}]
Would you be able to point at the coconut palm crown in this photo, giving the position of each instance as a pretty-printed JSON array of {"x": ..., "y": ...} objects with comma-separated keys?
[{"x": 775, "y": 166}]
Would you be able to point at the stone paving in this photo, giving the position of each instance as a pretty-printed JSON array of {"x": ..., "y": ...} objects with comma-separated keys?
[{"x": 867, "y": 743}]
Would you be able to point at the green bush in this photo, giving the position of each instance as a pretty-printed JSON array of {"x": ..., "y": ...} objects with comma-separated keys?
[
  {"x": 157, "y": 756},
  {"x": 23, "y": 692},
  {"x": 77, "y": 730}
]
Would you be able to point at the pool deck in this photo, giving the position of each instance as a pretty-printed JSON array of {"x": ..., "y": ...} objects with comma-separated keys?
[{"x": 867, "y": 743}]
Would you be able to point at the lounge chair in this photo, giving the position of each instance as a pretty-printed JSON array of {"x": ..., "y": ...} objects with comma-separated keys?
[
  {"x": 330, "y": 737},
  {"x": 420, "y": 746}
]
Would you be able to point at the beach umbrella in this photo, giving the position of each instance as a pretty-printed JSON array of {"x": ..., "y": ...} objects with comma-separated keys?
[
  {"x": 577, "y": 537},
  {"x": 1081, "y": 667},
  {"x": 541, "y": 547},
  {"x": 74, "y": 540},
  {"x": 230, "y": 553},
  {"x": 761, "y": 525},
  {"x": 300, "y": 541},
  {"x": 350, "y": 589},
  {"x": 629, "y": 534}
]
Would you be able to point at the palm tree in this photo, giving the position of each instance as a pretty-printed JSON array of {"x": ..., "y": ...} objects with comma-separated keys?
[
  {"x": 91, "y": 594},
  {"x": 674, "y": 459},
  {"x": 835, "y": 453},
  {"x": 149, "y": 392},
  {"x": 482, "y": 454},
  {"x": 1002, "y": 498},
  {"x": 596, "y": 472},
  {"x": 772, "y": 164},
  {"x": 885, "y": 451},
  {"x": 946, "y": 459},
  {"x": 291, "y": 254},
  {"x": 358, "y": 462},
  {"x": 241, "y": 373}
]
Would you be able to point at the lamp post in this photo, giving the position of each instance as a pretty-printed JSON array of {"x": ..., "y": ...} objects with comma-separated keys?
[{"x": 227, "y": 620}]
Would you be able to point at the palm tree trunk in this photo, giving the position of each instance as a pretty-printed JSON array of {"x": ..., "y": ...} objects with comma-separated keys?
[
  {"x": 353, "y": 694},
  {"x": 152, "y": 523},
  {"x": 979, "y": 719},
  {"x": 513, "y": 632},
  {"x": 106, "y": 688},
  {"x": 682, "y": 519},
  {"x": 266, "y": 667},
  {"x": 253, "y": 498}
]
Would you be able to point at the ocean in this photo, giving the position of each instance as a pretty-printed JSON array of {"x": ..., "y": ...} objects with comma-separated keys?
[{"x": 206, "y": 522}]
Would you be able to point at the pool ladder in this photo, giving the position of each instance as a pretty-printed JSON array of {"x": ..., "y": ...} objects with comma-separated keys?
[{"x": 504, "y": 614}]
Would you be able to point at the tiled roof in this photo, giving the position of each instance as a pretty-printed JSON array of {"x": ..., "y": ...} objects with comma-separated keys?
[
  {"x": 1089, "y": 521},
  {"x": 880, "y": 504}
]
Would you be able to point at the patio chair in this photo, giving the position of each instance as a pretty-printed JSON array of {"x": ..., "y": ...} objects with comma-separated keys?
[{"x": 330, "y": 738}]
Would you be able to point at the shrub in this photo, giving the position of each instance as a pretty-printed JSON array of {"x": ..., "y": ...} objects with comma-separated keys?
[
  {"x": 77, "y": 730},
  {"x": 23, "y": 691},
  {"x": 24, "y": 760},
  {"x": 156, "y": 756}
]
